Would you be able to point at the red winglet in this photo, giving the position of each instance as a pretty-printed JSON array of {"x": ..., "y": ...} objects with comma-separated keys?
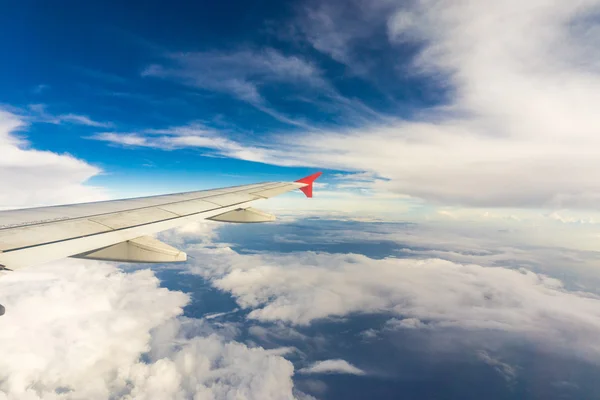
[{"x": 309, "y": 181}]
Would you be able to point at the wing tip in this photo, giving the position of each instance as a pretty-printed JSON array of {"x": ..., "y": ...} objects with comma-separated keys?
[{"x": 309, "y": 180}]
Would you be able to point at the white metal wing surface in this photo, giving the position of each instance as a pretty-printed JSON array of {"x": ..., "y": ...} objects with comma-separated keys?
[{"x": 118, "y": 230}]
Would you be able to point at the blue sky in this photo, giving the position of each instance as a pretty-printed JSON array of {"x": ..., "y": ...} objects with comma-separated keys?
[
  {"x": 438, "y": 114},
  {"x": 88, "y": 60},
  {"x": 148, "y": 92},
  {"x": 95, "y": 60},
  {"x": 459, "y": 122}
]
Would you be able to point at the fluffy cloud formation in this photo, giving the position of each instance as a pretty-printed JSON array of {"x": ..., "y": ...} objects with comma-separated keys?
[
  {"x": 432, "y": 294},
  {"x": 70, "y": 326},
  {"x": 211, "y": 368},
  {"x": 30, "y": 177},
  {"x": 519, "y": 127},
  {"x": 234, "y": 72},
  {"x": 332, "y": 367},
  {"x": 80, "y": 330}
]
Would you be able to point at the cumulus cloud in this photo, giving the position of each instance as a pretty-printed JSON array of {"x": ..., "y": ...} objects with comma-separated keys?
[
  {"x": 31, "y": 177},
  {"x": 332, "y": 367},
  {"x": 69, "y": 326},
  {"x": 434, "y": 294},
  {"x": 211, "y": 368},
  {"x": 78, "y": 329}
]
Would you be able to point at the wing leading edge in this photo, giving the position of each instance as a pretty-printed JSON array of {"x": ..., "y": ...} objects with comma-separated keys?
[{"x": 118, "y": 230}]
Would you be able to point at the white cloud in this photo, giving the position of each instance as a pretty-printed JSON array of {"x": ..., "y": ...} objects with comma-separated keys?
[
  {"x": 210, "y": 368},
  {"x": 508, "y": 372},
  {"x": 521, "y": 122},
  {"x": 172, "y": 138},
  {"x": 235, "y": 72},
  {"x": 332, "y": 367},
  {"x": 73, "y": 324},
  {"x": 568, "y": 219},
  {"x": 369, "y": 334},
  {"x": 406, "y": 323},
  {"x": 299, "y": 288},
  {"x": 240, "y": 74},
  {"x": 520, "y": 128},
  {"x": 83, "y": 120},
  {"x": 246, "y": 74},
  {"x": 343, "y": 31},
  {"x": 123, "y": 139},
  {"x": 40, "y": 114},
  {"x": 192, "y": 234},
  {"x": 77, "y": 329},
  {"x": 220, "y": 314},
  {"x": 31, "y": 177}
]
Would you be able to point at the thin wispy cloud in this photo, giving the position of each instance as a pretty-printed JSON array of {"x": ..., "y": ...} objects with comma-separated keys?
[
  {"x": 344, "y": 30},
  {"x": 100, "y": 75},
  {"x": 82, "y": 120},
  {"x": 521, "y": 127},
  {"x": 241, "y": 74},
  {"x": 248, "y": 75},
  {"x": 179, "y": 137},
  {"x": 41, "y": 88},
  {"x": 40, "y": 113}
]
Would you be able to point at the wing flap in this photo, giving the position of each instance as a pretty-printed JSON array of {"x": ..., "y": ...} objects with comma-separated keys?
[
  {"x": 244, "y": 215},
  {"x": 145, "y": 249}
]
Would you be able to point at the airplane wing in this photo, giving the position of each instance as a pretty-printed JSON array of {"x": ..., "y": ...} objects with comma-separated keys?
[{"x": 119, "y": 230}]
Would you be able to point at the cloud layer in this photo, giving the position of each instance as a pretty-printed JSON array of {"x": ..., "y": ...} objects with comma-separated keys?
[
  {"x": 86, "y": 330},
  {"x": 433, "y": 294}
]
